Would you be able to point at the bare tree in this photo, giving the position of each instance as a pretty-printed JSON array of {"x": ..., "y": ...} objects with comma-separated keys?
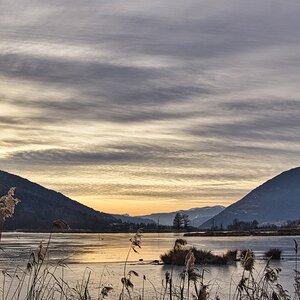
[{"x": 186, "y": 220}]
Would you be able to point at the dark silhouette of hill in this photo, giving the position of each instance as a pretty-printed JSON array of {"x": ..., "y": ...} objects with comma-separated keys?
[
  {"x": 277, "y": 200},
  {"x": 40, "y": 206}
]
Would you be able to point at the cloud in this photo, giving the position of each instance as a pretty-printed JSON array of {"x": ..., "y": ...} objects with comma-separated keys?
[
  {"x": 69, "y": 157},
  {"x": 261, "y": 122},
  {"x": 203, "y": 94}
]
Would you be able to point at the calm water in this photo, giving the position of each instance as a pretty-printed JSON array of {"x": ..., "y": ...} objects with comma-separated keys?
[{"x": 104, "y": 255}]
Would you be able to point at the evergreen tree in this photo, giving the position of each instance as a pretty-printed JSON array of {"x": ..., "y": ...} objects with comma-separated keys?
[{"x": 178, "y": 221}]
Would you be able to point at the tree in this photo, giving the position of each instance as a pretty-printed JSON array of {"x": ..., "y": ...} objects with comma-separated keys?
[
  {"x": 178, "y": 221},
  {"x": 254, "y": 224},
  {"x": 186, "y": 220},
  {"x": 242, "y": 225}
]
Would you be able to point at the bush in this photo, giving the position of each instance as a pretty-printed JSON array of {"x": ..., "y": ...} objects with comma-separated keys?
[
  {"x": 231, "y": 255},
  {"x": 177, "y": 256},
  {"x": 273, "y": 253}
]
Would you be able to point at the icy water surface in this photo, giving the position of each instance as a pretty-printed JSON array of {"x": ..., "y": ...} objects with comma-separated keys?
[{"x": 104, "y": 255}]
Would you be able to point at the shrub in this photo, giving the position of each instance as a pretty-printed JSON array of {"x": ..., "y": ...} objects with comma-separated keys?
[
  {"x": 177, "y": 256},
  {"x": 273, "y": 253},
  {"x": 231, "y": 255}
]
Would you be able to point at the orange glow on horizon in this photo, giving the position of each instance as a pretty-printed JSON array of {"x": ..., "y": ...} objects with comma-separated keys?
[{"x": 137, "y": 208}]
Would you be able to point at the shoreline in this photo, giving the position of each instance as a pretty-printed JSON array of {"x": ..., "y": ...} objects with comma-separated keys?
[
  {"x": 243, "y": 233},
  {"x": 282, "y": 232}
]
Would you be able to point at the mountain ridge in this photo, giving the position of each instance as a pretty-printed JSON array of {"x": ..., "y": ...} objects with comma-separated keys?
[
  {"x": 197, "y": 215},
  {"x": 125, "y": 218},
  {"x": 39, "y": 206},
  {"x": 275, "y": 200}
]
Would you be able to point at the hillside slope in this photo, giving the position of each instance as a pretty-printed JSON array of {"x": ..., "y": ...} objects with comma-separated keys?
[
  {"x": 40, "y": 206},
  {"x": 277, "y": 200}
]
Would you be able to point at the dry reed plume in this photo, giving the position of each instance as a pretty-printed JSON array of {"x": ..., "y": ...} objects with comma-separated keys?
[{"x": 7, "y": 207}]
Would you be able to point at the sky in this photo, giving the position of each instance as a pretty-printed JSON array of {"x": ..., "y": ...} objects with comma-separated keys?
[{"x": 149, "y": 106}]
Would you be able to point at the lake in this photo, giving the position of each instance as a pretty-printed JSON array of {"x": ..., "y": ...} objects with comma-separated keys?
[{"x": 104, "y": 255}]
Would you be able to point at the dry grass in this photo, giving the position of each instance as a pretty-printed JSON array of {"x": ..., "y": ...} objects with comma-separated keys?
[
  {"x": 42, "y": 280},
  {"x": 177, "y": 256},
  {"x": 7, "y": 207}
]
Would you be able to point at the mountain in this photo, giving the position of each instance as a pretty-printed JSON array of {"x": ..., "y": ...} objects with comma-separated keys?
[
  {"x": 197, "y": 215},
  {"x": 135, "y": 220},
  {"x": 277, "y": 200},
  {"x": 40, "y": 206}
]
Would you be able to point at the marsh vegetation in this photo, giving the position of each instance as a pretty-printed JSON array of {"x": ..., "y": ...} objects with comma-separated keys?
[{"x": 41, "y": 277}]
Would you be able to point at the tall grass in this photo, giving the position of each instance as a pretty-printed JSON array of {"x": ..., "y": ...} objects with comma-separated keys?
[
  {"x": 8, "y": 203},
  {"x": 40, "y": 279}
]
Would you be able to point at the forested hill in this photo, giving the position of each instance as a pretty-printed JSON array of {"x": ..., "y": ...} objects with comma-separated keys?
[{"x": 39, "y": 206}]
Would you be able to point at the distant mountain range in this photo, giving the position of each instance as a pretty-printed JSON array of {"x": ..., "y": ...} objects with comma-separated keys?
[
  {"x": 197, "y": 216},
  {"x": 40, "y": 206},
  {"x": 277, "y": 200},
  {"x": 136, "y": 220}
]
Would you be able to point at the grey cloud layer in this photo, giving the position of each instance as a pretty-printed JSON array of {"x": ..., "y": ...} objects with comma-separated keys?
[{"x": 213, "y": 84}]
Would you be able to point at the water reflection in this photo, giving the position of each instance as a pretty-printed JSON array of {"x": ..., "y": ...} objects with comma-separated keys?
[{"x": 105, "y": 254}]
